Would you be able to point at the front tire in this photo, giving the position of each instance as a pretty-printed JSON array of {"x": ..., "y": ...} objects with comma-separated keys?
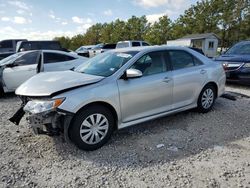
[
  {"x": 92, "y": 127},
  {"x": 1, "y": 91},
  {"x": 206, "y": 99}
]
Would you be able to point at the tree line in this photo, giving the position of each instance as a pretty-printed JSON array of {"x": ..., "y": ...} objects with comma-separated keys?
[{"x": 229, "y": 19}]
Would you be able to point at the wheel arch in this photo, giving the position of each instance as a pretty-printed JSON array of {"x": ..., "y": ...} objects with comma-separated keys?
[
  {"x": 106, "y": 105},
  {"x": 214, "y": 84}
]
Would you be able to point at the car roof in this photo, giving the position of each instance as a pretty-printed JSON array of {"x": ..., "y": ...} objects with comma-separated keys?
[
  {"x": 51, "y": 51},
  {"x": 150, "y": 48},
  {"x": 131, "y": 41}
]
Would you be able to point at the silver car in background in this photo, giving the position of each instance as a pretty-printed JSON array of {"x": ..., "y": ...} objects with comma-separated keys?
[{"x": 118, "y": 89}]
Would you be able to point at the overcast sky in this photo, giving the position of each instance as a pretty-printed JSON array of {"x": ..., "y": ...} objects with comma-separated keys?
[{"x": 45, "y": 19}]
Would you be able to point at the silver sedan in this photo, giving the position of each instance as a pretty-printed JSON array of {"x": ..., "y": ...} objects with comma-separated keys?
[{"x": 118, "y": 89}]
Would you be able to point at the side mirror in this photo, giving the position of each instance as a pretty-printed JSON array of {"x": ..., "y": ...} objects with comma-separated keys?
[{"x": 133, "y": 73}]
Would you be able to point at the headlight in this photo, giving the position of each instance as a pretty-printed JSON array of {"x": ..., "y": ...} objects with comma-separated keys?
[
  {"x": 37, "y": 106},
  {"x": 232, "y": 64},
  {"x": 247, "y": 65}
]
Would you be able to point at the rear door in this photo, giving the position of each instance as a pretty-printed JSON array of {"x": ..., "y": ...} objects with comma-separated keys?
[
  {"x": 189, "y": 75},
  {"x": 25, "y": 68},
  {"x": 53, "y": 61},
  {"x": 150, "y": 94}
]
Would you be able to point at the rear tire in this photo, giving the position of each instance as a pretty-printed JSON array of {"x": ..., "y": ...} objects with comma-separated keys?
[
  {"x": 92, "y": 127},
  {"x": 206, "y": 99}
]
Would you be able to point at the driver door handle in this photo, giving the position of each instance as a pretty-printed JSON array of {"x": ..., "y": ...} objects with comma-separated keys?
[
  {"x": 203, "y": 71},
  {"x": 166, "y": 79}
]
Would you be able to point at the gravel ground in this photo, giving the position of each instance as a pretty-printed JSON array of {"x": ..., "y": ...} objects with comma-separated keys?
[{"x": 188, "y": 149}]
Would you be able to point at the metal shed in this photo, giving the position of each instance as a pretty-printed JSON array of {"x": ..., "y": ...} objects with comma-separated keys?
[{"x": 208, "y": 42}]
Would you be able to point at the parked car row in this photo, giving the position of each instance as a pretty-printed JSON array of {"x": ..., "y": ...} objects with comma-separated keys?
[
  {"x": 117, "y": 89},
  {"x": 91, "y": 51}
]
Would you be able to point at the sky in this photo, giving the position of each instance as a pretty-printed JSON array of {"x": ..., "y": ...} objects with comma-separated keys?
[{"x": 46, "y": 19}]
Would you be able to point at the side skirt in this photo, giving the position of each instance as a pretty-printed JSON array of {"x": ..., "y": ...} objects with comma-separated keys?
[{"x": 141, "y": 120}]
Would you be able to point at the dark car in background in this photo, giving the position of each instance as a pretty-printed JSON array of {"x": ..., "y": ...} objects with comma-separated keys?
[
  {"x": 236, "y": 62},
  {"x": 39, "y": 45},
  {"x": 8, "y": 47}
]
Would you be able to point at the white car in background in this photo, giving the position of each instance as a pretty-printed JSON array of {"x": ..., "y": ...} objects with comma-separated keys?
[
  {"x": 100, "y": 48},
  {"x": 84, "y": 50},
  {"x": 131, "y": 43},
  {"x": 19, "y": 67}
]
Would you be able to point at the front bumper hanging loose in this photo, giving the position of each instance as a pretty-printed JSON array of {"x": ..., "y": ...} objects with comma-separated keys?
[{"x": 51, "y": 123}]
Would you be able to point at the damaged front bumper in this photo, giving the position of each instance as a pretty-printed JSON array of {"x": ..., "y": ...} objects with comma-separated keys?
[{"x": 51, "y": 122}]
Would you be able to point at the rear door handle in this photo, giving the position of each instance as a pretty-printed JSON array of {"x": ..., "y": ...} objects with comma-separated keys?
[
  {"x": 166, "y": 79},
  {"x": 203, "y": 71}
]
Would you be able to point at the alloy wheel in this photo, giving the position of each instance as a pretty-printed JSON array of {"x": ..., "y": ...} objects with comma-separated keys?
[{"x": 207, "y": 98}]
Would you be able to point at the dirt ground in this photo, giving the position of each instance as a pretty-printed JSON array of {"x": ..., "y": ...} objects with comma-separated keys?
[{"x": 188, "y": 149}]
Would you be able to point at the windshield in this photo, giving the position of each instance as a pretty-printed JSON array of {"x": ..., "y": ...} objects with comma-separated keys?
[
  {"x": 240, "y": 48},
  {"x": 10, "y": 59},
  {"x": 105, "y": 64}
]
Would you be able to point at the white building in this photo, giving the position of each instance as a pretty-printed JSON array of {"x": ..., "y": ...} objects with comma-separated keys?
[{"x": 208, "y": 42}]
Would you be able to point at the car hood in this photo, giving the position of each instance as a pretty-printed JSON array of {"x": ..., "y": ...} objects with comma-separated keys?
[
  {"x": 49, "y": 83},
  {"x": 233, "y": 58}
]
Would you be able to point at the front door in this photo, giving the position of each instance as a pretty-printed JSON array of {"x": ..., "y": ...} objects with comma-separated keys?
[
  {"x": 150, "y": 94},
  {"x": 23, "y": 69}
]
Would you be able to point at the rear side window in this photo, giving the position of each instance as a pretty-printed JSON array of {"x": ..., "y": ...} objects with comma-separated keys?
[
  {"x": 181, "y": 59},
  {"x": 55, "y": 58},
  {"x": 109, "y": 46},
  {"x": 6, "y": 44},
  {"x": 136, "y": 44},
  {"x": 27, "y": 59},
  {"x": 122, "y": 45}
]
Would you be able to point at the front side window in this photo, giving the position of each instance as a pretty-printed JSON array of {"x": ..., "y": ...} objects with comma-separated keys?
[
  {"x": 136, "y": 44},
  {"x": 55, "y": 58},
  {"x": 29, "y": 58},
  {"x": 181, "y": 59},
  {"x": 151, "y": 63},
  {"x": 145, "y": 44},
  {"x": 105, "y": 64}
]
